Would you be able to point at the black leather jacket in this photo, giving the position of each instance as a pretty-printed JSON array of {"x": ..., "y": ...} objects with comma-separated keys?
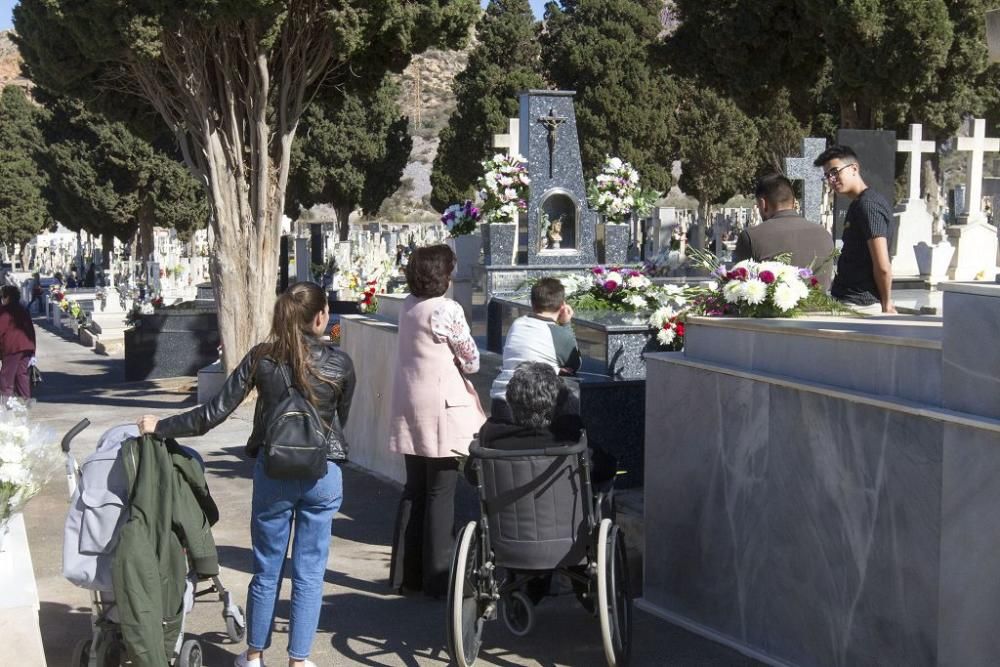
[{"x": 333, "y": 401}]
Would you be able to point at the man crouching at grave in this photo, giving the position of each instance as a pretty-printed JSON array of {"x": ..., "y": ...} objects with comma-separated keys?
[
  {"x": 545, "y": 336},
  {"x": 864, "y": 272},
  {"x": 785, "y": 232}
]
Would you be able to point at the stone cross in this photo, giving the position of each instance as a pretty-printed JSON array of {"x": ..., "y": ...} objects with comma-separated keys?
[
  {"x": 915, "y": 146},
  {"x": 552, "y": 123},
  {"x": 802, "y": 169},
  {"x": 977, "y": 145},
  {"x": 511, "y": 141}
]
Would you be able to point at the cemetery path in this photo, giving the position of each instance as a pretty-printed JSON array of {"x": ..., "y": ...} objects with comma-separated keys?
[{"x": 362, "y": 622}]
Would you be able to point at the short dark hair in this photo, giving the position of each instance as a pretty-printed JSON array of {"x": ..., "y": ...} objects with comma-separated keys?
[
  {"x": 429, "y": 270},
  {"x": 532, "y": 394},
  {"x": 10, "y": 292},
  {"x": 775, "y": 189},
  {"x": 838, "y": 152},
  {"x": 547, "y": 294}
]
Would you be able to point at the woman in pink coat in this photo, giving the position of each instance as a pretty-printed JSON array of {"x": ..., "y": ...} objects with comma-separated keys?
[{"x": 435, "y": 415}]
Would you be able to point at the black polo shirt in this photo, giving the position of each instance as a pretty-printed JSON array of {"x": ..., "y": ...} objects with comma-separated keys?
[{"x": 868, "y": 217}]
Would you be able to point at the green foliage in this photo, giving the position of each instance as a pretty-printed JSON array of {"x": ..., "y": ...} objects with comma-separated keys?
[
  {"x": 352, "y": 150},
  {"x": 105, "y": 179},
  {"x": 607, "y": 53},
  {"x": 718, "y": 147},
  {"x": 504, "y": 63},
  {"x": 23, "y": 211}
]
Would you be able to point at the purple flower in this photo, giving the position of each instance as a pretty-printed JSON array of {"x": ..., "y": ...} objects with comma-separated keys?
[
  {"x": 720, "y": 272},
  {"x": 805, "y": 273},
  {"x": 766, "y": 277},
  {"x": 598, "y": 270},
  {"x": 611, "y": 285}
]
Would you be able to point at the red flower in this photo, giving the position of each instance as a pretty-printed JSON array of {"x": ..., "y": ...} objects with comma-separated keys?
[
  {"x": 680, "y": 328},
  {"x": 813, "y": 282},
  {"x": 610, "y": 285},
  {"x": 766, "y": 277},
  {"x": 740, "y": 273}
]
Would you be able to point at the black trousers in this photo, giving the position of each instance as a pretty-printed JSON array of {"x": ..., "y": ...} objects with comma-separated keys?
[{"x": 425, "y": 526}]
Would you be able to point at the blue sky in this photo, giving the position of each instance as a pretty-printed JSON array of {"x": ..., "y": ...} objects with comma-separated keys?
[{"x": 7, "y": 6}]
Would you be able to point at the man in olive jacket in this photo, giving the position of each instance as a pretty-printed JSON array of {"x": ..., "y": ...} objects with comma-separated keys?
[{"x": 170, "y": 509}]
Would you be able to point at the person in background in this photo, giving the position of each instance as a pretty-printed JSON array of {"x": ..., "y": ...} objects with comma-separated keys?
[
  {"x": 37, "y": 293},
  {"x": 17, "y": 344},
  {"x": 784, "y": 231},
  {"x": 434, "y": 416},
  {"x": 864, "y": 270}
]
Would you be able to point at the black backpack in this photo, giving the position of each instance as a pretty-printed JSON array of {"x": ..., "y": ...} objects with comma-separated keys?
[{"x": 295, "y": 443}]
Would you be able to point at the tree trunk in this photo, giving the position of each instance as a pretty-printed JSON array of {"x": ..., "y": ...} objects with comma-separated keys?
[
  {"x": 343, "y": 220},
  {"x": 25, "y": 256},
  {"x": 107, "y": 250}
]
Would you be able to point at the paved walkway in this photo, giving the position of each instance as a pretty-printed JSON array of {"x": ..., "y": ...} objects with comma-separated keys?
[{"x": 362, "y": 622}]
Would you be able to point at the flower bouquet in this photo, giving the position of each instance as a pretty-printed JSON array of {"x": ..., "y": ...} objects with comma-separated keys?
[
  {"x": 460, "y": 219},
  {"x": 761, "y": 289},
  {"x": 29, "y": 457},
  {"x": 367, "y": 276},
  {"x": 504, "y": 187},
  {"x": 620, "y": 289},
  {"x": 616, "y": 194},
  {"x": 669, "y": 325}
]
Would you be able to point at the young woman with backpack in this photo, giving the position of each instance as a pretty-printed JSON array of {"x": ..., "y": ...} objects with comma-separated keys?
[{"x": 296, "y": 366}]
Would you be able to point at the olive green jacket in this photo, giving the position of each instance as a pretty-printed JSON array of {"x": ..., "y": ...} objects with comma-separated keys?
[{"x": 170, "y": 509}]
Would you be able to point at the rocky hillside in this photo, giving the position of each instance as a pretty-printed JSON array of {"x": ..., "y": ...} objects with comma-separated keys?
[{"x": 10, "y": 62}]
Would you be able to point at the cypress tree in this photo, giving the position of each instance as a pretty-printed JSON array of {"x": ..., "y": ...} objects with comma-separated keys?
[
  {"x": 504, "y": 63},
  {"x": 23, "y": 210}
]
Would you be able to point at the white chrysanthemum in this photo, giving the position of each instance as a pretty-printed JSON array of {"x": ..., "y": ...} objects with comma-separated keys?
[
  {"x": 666, "y": 336},
  {"x": 712, "y": 285},
  {"x": 636, "y": 300},
  {"x": 615, "y": 276},
  {"x": 755, "y": 292},
  {"x": 733, "y": 291},
  {"x": 785, "y": 297},
  {"x": 14, "y": 473},
  {"x": 11, "y": 453},
  {"x": 614, "y": 164},
  {"x": 639, "y": 282},
  {"x": 506, "y": 181},
  {"x": 661, "y": 316},
  {"x": 800, "y": 289}
]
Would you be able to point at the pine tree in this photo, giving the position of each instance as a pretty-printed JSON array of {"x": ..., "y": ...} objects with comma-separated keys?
[
  {"x": 607, "y": 52},
  {"x": 23, "y": 210},
  {"x": 504, "y": 63},
  {"x": 718, "y": 149},
  {"x": 354, "y": 149}
]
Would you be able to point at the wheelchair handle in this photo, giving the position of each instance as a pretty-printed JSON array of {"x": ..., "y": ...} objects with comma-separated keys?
[
  {"x": 479, "y": 452},
  {"x": 73, "y": 432}
]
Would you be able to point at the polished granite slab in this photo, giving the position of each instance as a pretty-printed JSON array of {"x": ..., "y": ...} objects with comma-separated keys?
[
  {"x": 971, "y": 358},
  {"x": 809, "y": 525}
]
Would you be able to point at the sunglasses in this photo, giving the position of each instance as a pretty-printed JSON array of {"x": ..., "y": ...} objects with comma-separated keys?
[{"x": 835, "y": 173}]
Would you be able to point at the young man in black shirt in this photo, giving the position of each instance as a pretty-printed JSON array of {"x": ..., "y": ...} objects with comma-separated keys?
[{"x": 864, "y": 271}]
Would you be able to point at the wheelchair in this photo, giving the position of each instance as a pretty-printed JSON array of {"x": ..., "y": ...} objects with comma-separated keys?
[{"x": 539, "y": 517}]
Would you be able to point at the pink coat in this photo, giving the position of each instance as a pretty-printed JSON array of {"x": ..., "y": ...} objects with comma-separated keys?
[{"x": 435, "y": 410}]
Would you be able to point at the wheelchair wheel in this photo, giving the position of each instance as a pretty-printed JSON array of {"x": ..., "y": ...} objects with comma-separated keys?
[
  {"x": 81, "y": 653},
  {"x": 614, "y": 605},
  {"x": 190, "y": 655},
  {"x": 466, "y": 608},
  {"x": 518, "y": 613}
]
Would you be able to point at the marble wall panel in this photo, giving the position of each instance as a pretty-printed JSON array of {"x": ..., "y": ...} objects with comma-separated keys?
[
  {"x": 799, "y": 523},
  {"x": 970, "y": 368},
  {"x": 372, "y": 347},
  {"x": 970, "y": 547}
]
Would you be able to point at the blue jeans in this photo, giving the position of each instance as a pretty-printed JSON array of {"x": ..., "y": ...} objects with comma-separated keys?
[{"x": 277, "y": 504}]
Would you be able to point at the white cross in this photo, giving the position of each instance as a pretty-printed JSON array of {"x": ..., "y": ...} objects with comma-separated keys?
[
  {"x": 512, "y": 140},
  {"x": 915, "y": 146},
  {"x": 978, "y": 145}
]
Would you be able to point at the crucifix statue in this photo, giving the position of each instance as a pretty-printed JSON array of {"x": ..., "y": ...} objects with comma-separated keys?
[{"x": 552, "y": 123}]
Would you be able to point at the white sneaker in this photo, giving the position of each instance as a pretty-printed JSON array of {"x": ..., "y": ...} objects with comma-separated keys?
[{"x": 241, "y": 661}]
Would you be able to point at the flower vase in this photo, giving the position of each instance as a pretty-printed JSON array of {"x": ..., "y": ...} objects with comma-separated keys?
[
  {"x": 615, "y": 237},
  {"x": 499, "y": 243},
  {"x": 466, "y": 248}
]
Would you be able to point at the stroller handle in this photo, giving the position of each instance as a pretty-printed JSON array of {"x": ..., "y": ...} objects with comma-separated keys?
[
  {"x": 73, "y": 432},
  {"x": 480, "y": 452}
]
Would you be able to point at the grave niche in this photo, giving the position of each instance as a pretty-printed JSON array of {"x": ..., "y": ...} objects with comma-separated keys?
[{"x": 563, "y": 214}]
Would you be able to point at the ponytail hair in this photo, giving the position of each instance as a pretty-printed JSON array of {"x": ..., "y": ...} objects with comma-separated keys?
[{"x": 291, "y": 328}]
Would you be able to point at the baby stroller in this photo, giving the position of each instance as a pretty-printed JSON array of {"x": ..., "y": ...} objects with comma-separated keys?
[
  {"x": 99, "y": 495},
  {"x": 539, "y": 516}
]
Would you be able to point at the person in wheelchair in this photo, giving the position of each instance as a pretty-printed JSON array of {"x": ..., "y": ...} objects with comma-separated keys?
[
  {"x": 543, "y": 412},
  {"x": 542, "y": 512}
]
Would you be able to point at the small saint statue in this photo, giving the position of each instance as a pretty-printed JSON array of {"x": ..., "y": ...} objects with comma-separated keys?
[{"x": 555, "y": 233}]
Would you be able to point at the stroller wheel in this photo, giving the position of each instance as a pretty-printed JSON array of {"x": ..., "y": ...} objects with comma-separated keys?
[
  {"x": 190, "y": 654},
  {"x": 236, "y": 630},
  {"x": 518, "y": 613},
  {"x": 109, "y": 652},
  {"x": 81, "y": 654}
]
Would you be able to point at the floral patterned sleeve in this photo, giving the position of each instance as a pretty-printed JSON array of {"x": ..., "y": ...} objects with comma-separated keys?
[{"x": 448, "y": 325}]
